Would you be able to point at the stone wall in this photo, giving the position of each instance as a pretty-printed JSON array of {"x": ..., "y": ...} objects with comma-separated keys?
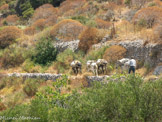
[
  {"x": 150, "y": 54},
  {"x": 45, "y": 76}
]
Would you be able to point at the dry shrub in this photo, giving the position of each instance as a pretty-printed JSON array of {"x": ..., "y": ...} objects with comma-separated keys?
[
  {"x": 158, "y": 32},
  {"x": 4, "y": 7},
  {"x": 51, "y": 20},
  {"x": 8, "y": 35},
  {"x": 139, "y": 3},
  {"x": 125, "y": 29},
  {"x": 39, "y": 24},
  {"x": 67, "y": 29},
  {"x": 114, "y": 53},
  {"x": 45, "y": 12},
  {"x": 87, "y": 38},
  {"x": 12, "y": 57},
  {"x": 147, "y": 34},
  {"x": 70, "y": 13},
  {"x": 2, "y": 106},
  {"x": 101, "y": 24},
  {"x": 30, "y": 30},
  {"x": 12, "y": 19},
  {"x": 70, "y": 5},
  {"x": 109, "y": 6},
  {"x": 1, "y": 22},
  {"x": 158, "y": 2},
  {"x": 148, "y": 16}
]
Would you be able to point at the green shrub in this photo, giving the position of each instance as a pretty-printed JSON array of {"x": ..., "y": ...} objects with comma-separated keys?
[
  {"x": 151, "y": 4},
  {"x": 17, "y": 112},
  {"x": 142, "y": 23},
  {"x": 96, "y": 54},
  {"x": 27, "y": 10},
  {"x": 8, "y": 82},
  {"x": 13, "y": 56},
  {"x": 31, "y": 87},
  {"x": 64, "y": 59},
  {"x": 44, "y": 52},
  {"x": 132, "y": 100},
  {"x": 128, "y": 101},
  {"x": 127, "y": 2},
  {"x": 91, "y": 23},
  {"x": 81, "y": 19}
]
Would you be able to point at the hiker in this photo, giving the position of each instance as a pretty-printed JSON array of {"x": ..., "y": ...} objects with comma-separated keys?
[{"x": 132, "y": 65}]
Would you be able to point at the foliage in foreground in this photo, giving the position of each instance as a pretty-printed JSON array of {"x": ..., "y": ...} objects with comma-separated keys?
[{"x": 132, "y": 100}]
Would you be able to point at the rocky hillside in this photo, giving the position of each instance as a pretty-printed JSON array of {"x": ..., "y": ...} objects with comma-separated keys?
[{"x": 40, "y": 38}]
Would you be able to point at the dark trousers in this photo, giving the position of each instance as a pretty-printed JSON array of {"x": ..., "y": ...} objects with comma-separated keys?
[{"x": 131, "y": 68}]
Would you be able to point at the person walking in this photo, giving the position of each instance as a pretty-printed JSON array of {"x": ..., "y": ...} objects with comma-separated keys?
[{"x": 132, "y": 65}]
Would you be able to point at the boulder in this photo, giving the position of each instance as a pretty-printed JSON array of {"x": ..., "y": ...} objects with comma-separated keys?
[
  {"x": 61, "y": 46},
  {"x": 158, "y": 70}
]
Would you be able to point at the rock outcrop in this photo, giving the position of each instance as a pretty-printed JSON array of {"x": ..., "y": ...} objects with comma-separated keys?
[
  {"x": 61, "y": 46},
  {"x": 150, "y": 53},
  {"x": 158, "y": 70}
]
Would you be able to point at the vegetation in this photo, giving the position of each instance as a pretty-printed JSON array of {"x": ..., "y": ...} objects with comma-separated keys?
[
  {"x": 44, "y": 52},
  {"x": 8, "y": 35},
  {"x": 29, "y": 30},
  {"x": 114, "y": 53},
  {"x": 116, "y": 101},
  {"x": 87, "y": 38},
  {"x": 67, "y": 29}
]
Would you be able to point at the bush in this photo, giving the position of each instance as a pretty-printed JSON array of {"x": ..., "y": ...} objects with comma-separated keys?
[
  {"x": 12, "y": 19},
  {"x": 39, "y": 24},
  {"x": 87, "y": 38},
  {"x": 81, "y": 19},
  {"x": 8, "y": 35},
  {"x": 101, "y": 24},
  {"x": 131, "y": 100},
  {"x": 65, "y": 58},
  {"x": 151, "y": 15},
  {"x": 2, "y": 106},
  {"x": 4, "y": 7},
  {"x": 27, "y": 10},
  {"x": 67, "y": 29},
  {"x": 15, "y": 112},
  {"x": 70, "y": 5},
  {"x": 114, "y": 53},
  {"x": 30, "y": 30},
  {"x": 31, "y": 86},
  {"x": 96, "y": 54},
  {"x": 157, "y": 32},
  {"x": 44, "y": 52},
  {"x": 13, "y": 57},
  {"x": 44, "y": 12}
]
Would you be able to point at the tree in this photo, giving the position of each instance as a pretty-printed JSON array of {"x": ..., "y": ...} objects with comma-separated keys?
[{"x": 27, "y": 10}]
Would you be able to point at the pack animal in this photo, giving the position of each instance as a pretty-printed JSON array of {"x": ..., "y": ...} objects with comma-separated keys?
[{"x": 76, "y": 66}]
